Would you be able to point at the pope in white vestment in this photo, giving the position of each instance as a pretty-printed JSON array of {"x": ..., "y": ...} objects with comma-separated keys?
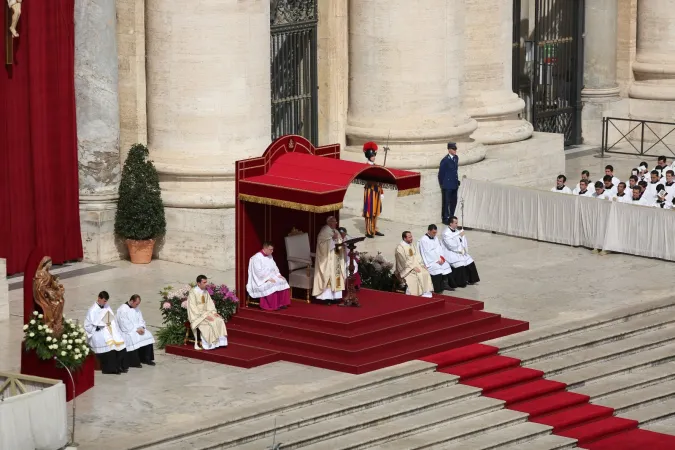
[
  {"x": 137, "y": 337},
  {"x": 203, "y": 316},
  {"x": 265, "y": 282},
  {"x": 432, "y": 255},
  {"x": 329, "y": 269},
  {"x": 409, "y": 266},
  {"x": 104, "y": 337}
]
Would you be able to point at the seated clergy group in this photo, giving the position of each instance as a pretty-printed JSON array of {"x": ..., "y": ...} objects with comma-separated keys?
[
  {"x": 435, "y": 264},
  {"x": 119, "y": 340}
]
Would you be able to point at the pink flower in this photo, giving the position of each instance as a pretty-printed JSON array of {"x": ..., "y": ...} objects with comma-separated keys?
[
  {"x": 184, "y": 304},
  {"x": 166, "y": 305}
]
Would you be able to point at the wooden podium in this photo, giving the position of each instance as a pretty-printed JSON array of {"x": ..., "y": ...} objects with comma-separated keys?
[{"x": 351, "y": 299}]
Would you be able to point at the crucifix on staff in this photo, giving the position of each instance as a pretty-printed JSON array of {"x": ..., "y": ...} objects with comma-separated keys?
[{"x": 12, "y": 14}]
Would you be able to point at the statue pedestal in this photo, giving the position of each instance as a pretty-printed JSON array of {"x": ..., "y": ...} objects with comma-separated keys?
[{"x": 84, "y": 376}]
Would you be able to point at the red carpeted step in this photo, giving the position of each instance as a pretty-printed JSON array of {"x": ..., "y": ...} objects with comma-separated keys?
[
  {"x": 635, "y": 439},
  {"x": 504, "y": 379},
  {"x": 234, "y": 354},
  {"x": 549, "y": 403},
  {"x": 460, "y": 355},
  {"x": 477, "y": 305},
  {"x": 572, "y": 417},
  {"x": 481, "y": 366},
  {"x": 597, "y": 430},
  {"x": 527, "y": 391}
]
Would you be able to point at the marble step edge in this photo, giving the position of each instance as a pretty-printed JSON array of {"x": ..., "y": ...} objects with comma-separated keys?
[
  {"x": 233, "y": 437},
  {"x": 606, "y": 356},
  {"x": 466, "y": 428},
  {"x": 557, "y": 331},
  {"x": 665, "y": 354},
  {"x": 614, "y": 335},
  {"x": 398, "y": 427},
  {"x": 548, "y": 442},
  {"x": 352, "y": 384},
  {"x": 384, "y": 419},
  {"x": 653, "y": 413},
  {"x": 518, "y": 434},
  {"x": 610, "y": 388},
  {"x": 625, "y": 402}
]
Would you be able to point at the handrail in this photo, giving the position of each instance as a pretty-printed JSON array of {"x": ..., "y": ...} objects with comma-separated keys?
[
  {"x": 14, "y": 383},
  {"x": 642, "y": 124}
]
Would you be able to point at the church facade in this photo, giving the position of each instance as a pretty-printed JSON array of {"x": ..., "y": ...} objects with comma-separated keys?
[{"x": 208, "y": 84}]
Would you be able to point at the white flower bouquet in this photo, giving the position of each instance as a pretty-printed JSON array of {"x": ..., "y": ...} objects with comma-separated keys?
[{"x": 70, "y": 348}]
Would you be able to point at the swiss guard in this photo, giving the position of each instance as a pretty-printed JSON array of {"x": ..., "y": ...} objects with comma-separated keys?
[{"x": 372, "y": 195}]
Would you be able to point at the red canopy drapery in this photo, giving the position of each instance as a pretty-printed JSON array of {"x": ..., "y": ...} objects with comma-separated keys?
[{"x": 296, "y": 185}]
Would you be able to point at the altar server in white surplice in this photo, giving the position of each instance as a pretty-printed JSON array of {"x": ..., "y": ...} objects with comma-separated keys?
[
  {"x": 204, "y": 317},
  {"x": 265, "y": 282},
  {"x": 432, "y": 256},
  {"x": 409, "y": 266},
  {"x": 456, "y": 251},
  {"x": 138, "y": 339},
  {"x": 104, "y": 338},
  {"x": 329, "y": 268},
  {"x": 560, "y": 187}
]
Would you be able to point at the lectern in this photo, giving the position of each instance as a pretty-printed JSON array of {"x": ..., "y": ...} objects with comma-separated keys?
[{"x": 351, "y": 299}]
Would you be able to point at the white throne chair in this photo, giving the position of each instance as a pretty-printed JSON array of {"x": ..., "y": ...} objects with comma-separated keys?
[{"x": 299, "y": 257}]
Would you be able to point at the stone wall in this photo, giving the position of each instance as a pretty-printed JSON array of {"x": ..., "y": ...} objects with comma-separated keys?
[{"x": 4, "y": 292}]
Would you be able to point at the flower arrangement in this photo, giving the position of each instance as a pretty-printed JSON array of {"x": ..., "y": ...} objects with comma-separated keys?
[
  {"x": 376, "y": 272},
  {"x": 173, "y": 306},
  {"x": 70, "y": 348}
]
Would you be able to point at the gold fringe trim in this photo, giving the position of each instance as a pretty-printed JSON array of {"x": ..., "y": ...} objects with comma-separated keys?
[
  {"x": 290, "y": 205},
  {"x": 406, "y": 192}
]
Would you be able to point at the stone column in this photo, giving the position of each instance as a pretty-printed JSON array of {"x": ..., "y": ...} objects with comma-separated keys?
[
  {"x": 406, "y": 80},
  {"x": 208, "y": 94},
  {"x": 600, "y": 63},
  {"x": 488, "y": 63},
  {"x": 98, "y": 125},
  {"x": 654, "y": 67}
]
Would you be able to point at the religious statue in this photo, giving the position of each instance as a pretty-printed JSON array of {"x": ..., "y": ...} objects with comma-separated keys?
[
  {"x": 48, "y": 293},
  {"x": 15, "y": 6}
]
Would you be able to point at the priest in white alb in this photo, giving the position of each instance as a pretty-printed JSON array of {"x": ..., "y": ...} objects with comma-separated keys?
[
  {"x": 104, "y": 338},
  {"x": 265, "y": 282},
  {"x": 409, "y": 267},
  {"x": 432, "y": 256},
  {"x": 137, "y": 338},
  {"x": 456, "y": 252},
  {"x": 329, "y": 268},
  {"x": 204, "y": 317}
]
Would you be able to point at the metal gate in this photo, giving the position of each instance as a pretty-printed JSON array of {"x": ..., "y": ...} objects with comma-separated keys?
[
  {"x": 294, "y": 68},
  {"x": 548, "y": 65}
]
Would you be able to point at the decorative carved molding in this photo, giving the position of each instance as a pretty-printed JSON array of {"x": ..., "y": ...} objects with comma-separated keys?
[{"x": 288, "y": 12}]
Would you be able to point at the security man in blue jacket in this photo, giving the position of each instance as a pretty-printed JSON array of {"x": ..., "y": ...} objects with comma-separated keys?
[{"x": 448, "y": 179}]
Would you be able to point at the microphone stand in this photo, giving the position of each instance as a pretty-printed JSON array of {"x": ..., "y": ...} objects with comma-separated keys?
[{"x": 72, "y": 435}]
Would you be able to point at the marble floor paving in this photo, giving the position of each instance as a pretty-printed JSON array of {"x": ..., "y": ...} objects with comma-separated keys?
[{"x": 522, "y": 279}]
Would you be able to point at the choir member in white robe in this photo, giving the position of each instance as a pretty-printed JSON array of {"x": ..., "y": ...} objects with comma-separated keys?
[
  {"x": 610, "y": 188},
  {"x": 203, "y": 317},
  {"x": 622, "y": 195},
  {"x": 409, "y": 267},
  {"x": 137, "y": 338},
  {"x": 582, "y": 189},
  {"x": 651, "y": 189},
  {"x": 456, "y": 252},
  {"x": 560, "y": 187},
  {"x": 639, "y": 197},
  {"x": 265, "y": 282},
  {"x": 104, "y": 338},
  {"x": 431, "y": 252},
  {"x": 600, "y": 191},
  {"x": 357, "y": 278},
  {"x": 329, "y": 267},
  {"x": 585, "y": 176},
  {"x": 669, "y": 185},
  {"x": 662, "y": 200},
  {"x": 609, "y": 172}
]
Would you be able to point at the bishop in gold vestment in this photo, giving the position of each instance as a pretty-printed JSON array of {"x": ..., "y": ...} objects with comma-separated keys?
[
  {"x": 329, "y": 269},
  {"x": 203, "y": 316},
  {"x": 409, "y": 266}
]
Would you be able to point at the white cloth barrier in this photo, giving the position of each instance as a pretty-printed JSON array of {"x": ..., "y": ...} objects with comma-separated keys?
[
  {"x": 36, "y": 420},
  {"x": 569, "y": 219}
]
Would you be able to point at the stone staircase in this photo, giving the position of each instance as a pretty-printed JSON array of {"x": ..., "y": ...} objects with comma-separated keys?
[{"x": 623, "y": 360}]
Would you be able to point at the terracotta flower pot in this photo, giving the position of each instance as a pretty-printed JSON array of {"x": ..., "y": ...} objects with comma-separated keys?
[{"x": 140, "y": 252}]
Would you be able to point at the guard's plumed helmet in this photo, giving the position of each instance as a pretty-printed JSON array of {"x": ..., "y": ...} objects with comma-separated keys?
[{"x": 370, "y": 149}]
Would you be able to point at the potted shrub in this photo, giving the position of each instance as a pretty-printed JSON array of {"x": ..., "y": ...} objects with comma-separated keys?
[{"x": 140, "y": 212}]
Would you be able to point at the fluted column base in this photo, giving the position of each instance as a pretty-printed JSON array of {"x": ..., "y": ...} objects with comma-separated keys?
[
  {"x": 653, "y": 81},
  {"x": 97, "y": 227}
]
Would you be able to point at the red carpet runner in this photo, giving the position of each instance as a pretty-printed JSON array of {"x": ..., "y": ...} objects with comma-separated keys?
[
  {"x": 388, "y": 329},
  {"x": 546, "y": 401}
]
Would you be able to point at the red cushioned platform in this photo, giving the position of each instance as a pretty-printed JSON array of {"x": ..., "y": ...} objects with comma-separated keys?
[
  {"x": 577, "y": 415},
  {"x": 634, "y": 439},
  {"x": 388, "y": 329},
  {"x": 505, "y": 378},
  {"x": 595, "y": 430}
]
